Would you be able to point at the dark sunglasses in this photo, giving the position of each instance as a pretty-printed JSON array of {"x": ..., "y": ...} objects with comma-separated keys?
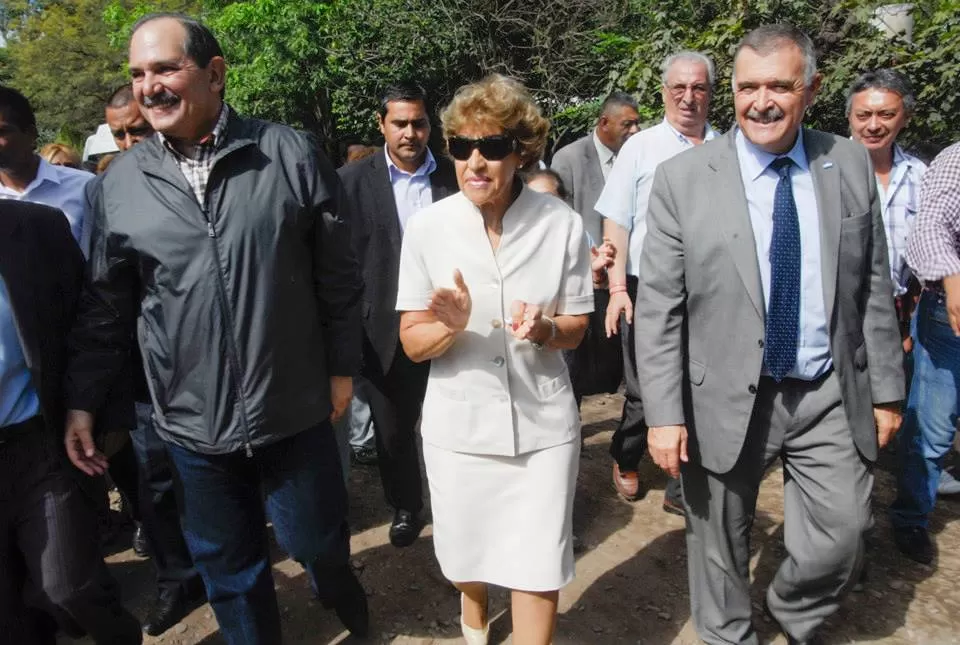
[{"x": 492, "y": 148}]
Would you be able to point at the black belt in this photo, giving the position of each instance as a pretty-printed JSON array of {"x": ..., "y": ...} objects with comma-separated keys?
[
  {"x": 15, "y": 431},
  {"x": 935, "y": 286}
]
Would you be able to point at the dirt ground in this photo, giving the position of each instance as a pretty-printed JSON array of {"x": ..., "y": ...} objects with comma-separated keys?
[{"x": 631, "y": 584}]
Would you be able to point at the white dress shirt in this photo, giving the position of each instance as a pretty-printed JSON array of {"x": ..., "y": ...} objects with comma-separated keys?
[
  {"x": 490, "y": 393},
  {"x": 60, "y": 187},
  {"x": 606, "y": 155},
  {"x": 626, "y": 195},
  {"x": 899, "y": 203},
  {"x": 411, "y": 191},
  {"x": 760, "y": 184}
]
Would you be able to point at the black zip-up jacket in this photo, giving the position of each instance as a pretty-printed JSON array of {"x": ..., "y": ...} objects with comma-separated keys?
[{"x": 243, "y": 306}]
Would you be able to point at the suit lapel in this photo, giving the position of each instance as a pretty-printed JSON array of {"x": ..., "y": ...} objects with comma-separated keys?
[
  {"x": 593, "y": 169},
  {"x": 386, "y": 203},
  {"x": 826, "y": 186},
  {"x": 737, "y": 230},
  {"x": 19, "y": 281},
  {"x": 443, "y": 180}
]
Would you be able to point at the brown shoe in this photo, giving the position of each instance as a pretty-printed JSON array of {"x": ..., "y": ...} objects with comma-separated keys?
[{"x": 627, "y": 483}]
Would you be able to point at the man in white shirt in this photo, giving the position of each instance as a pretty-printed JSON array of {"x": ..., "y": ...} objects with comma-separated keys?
[
  {"x": 879, "y": 106},
  {"x": 26, "y": 177},
  {"x": 687, "y": 88}
]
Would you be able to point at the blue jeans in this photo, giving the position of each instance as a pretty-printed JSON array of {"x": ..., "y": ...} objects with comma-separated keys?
[
  {"x": 222, "y": 506},
  {"x": 931, "y": 414},
  {"x": 158, "y": 504}
]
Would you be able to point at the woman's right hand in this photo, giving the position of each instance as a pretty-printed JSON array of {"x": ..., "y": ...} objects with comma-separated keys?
[{"x": 452, "y": 306}]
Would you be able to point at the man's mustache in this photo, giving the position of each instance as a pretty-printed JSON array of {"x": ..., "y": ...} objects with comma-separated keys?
[
  {"x": 771, "y": 114},
  {"x": 163, "y": 99}
]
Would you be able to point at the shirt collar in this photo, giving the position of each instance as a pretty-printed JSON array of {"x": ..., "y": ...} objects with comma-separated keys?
[
  {"x": 46, "y": 171},
  {"x": 214, "y": 139},
  {"x": 605, "y": 153},
  {"x": 756, "y": 160},
  {"x": 708, "y": 132},
  {"x": 427, "y": 167}
]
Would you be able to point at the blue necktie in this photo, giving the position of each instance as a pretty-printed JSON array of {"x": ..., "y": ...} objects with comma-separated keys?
[{"x": 783, "y": 314}]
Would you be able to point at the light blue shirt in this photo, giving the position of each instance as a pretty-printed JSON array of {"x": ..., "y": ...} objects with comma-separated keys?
[
  {"x": 760, "y": 185},
  {"x": 411, "y": 192},
  {"x": 62, "y": 188},
  {"x": 18, "y": 397}
]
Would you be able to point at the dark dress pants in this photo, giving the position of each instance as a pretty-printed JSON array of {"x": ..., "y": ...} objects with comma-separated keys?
[
  {"x": 630, "y": 438},
  {"x": 50, "y": 563},
  {"x": 158, "y": 505},
  {"x": 396, "y": 399},
  {"x": 221, "y": 500}
]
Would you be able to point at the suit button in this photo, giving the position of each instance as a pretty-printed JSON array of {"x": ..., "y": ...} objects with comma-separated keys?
[
  {"x": 760, "y": 343},
  {"x": 498, "y": 361},
  {"x": 496, "y": 323},
  {"x": 752, "y": 389}
]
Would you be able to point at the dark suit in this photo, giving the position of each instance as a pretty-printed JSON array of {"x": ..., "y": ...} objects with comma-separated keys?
[
  {"x": 49, "y": 557},
  {"x": 398, "y": 384}
]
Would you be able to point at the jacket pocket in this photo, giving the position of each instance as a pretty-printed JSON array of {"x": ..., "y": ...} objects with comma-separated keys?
[
  {"x": 856, "y": 223},
  {"x": 696, "y": 371}
]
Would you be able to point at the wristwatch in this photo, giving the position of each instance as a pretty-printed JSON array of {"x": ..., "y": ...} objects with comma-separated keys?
[{"x": 553, "y": 333}]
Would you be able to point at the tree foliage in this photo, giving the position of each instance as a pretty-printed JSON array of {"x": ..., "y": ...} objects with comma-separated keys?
[{"x": 322, "y": 65}]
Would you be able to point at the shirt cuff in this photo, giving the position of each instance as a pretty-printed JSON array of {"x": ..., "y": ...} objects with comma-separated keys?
[{"x": 413, "y": 303}]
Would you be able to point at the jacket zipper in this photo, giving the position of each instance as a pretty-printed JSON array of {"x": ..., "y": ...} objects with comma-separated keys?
[{"x": 233, "y": 353}]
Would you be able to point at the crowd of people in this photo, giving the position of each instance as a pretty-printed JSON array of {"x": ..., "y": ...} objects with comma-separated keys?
[{"x": 222, "y": 322}]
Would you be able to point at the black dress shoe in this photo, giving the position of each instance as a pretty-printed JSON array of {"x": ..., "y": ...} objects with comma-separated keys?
[
  {"x": 350, "y": 604},
  {"x": 914, "y": 542},
  {"x": 405, "y": 529},
  {"x": 173, "y": 604},
  {"x": 140, "y": 541}
]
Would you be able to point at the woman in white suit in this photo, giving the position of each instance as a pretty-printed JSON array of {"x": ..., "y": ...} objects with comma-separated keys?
[{"x": 494, "y": 282}]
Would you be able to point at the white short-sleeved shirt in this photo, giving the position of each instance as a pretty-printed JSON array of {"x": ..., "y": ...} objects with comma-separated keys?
[
  {"x": 490, "y": 393},
  {"x": 626, "y": 194}
]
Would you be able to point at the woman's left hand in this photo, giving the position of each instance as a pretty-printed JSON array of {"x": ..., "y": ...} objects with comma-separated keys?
[{"x": 528, "y": 323}]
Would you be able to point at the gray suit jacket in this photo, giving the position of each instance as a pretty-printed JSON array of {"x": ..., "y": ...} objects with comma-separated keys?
[
  {"x": 579, "y": 167},
  {"x": 700, "y": 308}
]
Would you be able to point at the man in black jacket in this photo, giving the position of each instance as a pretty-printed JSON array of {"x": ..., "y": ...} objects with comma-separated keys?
[
  {"x": 384, "y": 191},
  {"x": 235, "y": 267},
  {"x": 50, "y": 564}
]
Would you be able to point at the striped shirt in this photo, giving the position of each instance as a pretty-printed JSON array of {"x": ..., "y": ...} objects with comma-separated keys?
[
  {"x": 933, "y": 250},
  {"x": 197, "y": 163},
  {"x": 900, "y": 201}
]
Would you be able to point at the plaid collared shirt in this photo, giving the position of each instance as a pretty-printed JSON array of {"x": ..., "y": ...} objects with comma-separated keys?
[
  {"x": 197, "y": 164},
  {"x": 900, "y": 201},
  {"x": 933, "y": 250}
]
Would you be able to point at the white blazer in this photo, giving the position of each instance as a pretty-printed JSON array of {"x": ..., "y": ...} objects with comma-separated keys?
[{"x": 490, "y": 393}]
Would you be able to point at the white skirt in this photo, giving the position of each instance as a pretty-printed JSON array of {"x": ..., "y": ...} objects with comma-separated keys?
[{"x": 505, "y": 521}]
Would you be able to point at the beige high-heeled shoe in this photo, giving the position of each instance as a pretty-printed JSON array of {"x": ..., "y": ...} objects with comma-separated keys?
[{"x": 472, "y": 635}]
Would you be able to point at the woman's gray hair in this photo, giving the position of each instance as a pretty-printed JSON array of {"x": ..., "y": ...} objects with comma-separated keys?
[
  {"x": 766, "y": 39},
  {"x": 687, "y": 56},
  {"x": 884, "y": 79}
]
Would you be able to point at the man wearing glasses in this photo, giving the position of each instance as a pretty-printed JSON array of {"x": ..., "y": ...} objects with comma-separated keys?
[{"x": 687, "y": 88}]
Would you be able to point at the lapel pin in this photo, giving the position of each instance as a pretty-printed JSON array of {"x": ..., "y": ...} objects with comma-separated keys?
[{"x": 827, "y": 164}]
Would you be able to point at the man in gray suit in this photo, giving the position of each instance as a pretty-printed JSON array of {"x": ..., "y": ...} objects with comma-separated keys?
[
  {"x": 766, "y": 328},
  {"x": 584, "y": 164},
  {"x": 596, "y": 366}
]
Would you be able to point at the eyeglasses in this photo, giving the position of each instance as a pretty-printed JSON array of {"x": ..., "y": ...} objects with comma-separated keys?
[{"x": 492, "y": 148}]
